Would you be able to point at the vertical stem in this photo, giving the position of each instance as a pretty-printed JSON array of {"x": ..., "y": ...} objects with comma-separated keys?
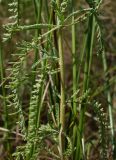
[
  {"x": 18, "y": 8},
  {"x": 74, "y": 61},
  {"x": 82, "y": 56},
  {"x": 62, "y": 73},
  {"x": 75, "y": 129},
  {"x": 47, "y": 10},
  {"x": 74, "y": 75},
  {"x": 90, "y": 39},
  {"x": 62, "y": 84},
  {"x": 4, "y": 96},
  {"x": 3, "y": 90},
  {"x": 62, "y": 103},
  {"x": 38, "y": 8},
  {"x": 61, "y": 63},
  {"x": 57, "y": 76},
  {"x": 109, "y": 99}
]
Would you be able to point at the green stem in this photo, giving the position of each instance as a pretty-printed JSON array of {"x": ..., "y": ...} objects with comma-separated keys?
[
  {"x": 62, "y": 84},
  {"x": 75, "y": 130},
  {"x": 62, "y": 77},
  {"x": 18, "y": 12},
  {"x": 82, "y": 56},
  {"x": 38, "y": 8},
  {"x": 109, "y": 99},
  {"x": 55, "y": 40},
  {"x": 36, "y": 120},
  {"x": 53, "y": 87},
  {"x": 4, "y": 97},
  {"x": 74, "y": 75},
  {"x": 90, "y": 39},
  {"x": 3, "y": 90},
  {"x": 74, "y": 62},
  {"x": 47, "y": 10}
]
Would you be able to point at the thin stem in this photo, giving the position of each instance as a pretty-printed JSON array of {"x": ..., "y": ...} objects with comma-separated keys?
[
  {"x": 36, "y": 121},
  {"x": 18, "y": 12},
  {"x": 74, "y": 62},
  {"x": 90, "y": 39},
  {"x": 47, "y": 10},
  {"x": 75, "y": 130},
  {"x": 61, "y": 63},
  {"x": 4, "y": 96},
  {"x": 109, "y": 99},
  {"x": 54, "y": 86},
  {"x": 74, "y": 74},
  {"x": 38, "y": 8},
  {"x": 57, "y": 76},
  {"x": 62, "y": 84},
  {"x": 82, "y": 56},
  {"x": 3, "y": 90}
]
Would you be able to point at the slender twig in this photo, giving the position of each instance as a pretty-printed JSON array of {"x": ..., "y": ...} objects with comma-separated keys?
[{"x": 8, "y": 131}]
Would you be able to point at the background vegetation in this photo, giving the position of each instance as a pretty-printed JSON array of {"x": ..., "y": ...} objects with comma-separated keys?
[{"x": 57, "y": 80}]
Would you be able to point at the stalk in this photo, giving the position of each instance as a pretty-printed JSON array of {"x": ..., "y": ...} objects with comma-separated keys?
[
  {"x": 62, "y": 73},
  {"x": 75, "y": 130},
  {"x": 74, "y": 61},
  {"x": 57, "y": 76},
  {"x": 5, "y": 116},
  {"x": 38, "y": 8},
  {"x": 53, "y": 38},
  {"x": 109, "y": 99},
  {"x": 89, "y": 47},
  {"x": 74, "y": 75},
  {"x": 62, "y": 84},
  {"x": 18, "y": 18},
  {"x": 37, "y": 109},
  {"x": 3, "y": 90},
  {"x": 47, "y": 10}
]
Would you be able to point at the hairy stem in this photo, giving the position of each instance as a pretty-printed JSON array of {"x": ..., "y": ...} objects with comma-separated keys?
[{"x": 62, "y": 83}]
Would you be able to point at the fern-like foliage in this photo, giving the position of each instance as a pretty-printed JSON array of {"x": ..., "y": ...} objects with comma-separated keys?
[
  {"x": 14, "y": 19},
  {"x": 103, "y": 129},
  {"x": 60, "y": 10},
  {"x": 15, "y": 81},
  {"x": 34, "y": 111},
  {"x": 19, "y": 154},
  {"x": 46, "y": 132}
]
